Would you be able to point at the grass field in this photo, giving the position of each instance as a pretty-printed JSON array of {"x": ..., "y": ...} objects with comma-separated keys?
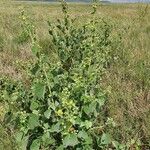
[{"x": 127, "y": 78}]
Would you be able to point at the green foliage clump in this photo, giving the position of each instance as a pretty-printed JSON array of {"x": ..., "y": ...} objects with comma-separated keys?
[
  {"x": 60, "y": 107},
  {"x": 27, "y": 29}
]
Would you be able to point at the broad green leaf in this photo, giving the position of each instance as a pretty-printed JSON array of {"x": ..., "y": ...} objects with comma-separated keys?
[
  {"x": 46, "y": 125},
  {"x": 78, "y": 120},
  {"x": 105, "y": 139},
  {"x": 90, "y": 108},
  {"x": 55, "y": 128},
  {"x": 33, "y": 121},
  {"x": 47, "y": 113},
  {"x": 85, "y": 136},
  {"x": 87, "y": 124},
  {"x": 47, "y": 139},
  {"x": 39, "y": 90},
  {"x": 34, "y": 105},
  {"x": 35, "y": 145},
  {"x": 70, "y": 140}
]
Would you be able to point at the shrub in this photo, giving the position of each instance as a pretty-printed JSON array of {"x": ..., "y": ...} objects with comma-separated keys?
[{"x": 60, "y": 106}]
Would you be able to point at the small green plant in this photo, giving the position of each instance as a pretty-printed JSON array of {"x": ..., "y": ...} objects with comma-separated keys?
[
  {"x": 22, "y": 37},
  {"x": 26, "y": 32}
]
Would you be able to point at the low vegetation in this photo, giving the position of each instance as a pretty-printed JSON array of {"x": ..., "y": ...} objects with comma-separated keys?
[{"x": 74, "y": 76}]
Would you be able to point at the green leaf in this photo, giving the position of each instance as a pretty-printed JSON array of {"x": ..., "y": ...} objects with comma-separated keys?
[
  {"x": 19, "y": 136},
  {"x": 33, "y": 121},
  {"x": 47, "y": 113},
  {"x": 35, "y": 49},
  {"x": 116, "y": 144},
  {"x": 47, "y": 139},
  {"x": 35, "y": 145},
  {"x": 39, "y": 90},
  {"x": 101, "y": 101},
  {"x": 85, "y": 136},
  {"x": 87, "y": 124},
  {"x": 24, "y": 143},
  {"x": 61, "y": 147},
  {"x": 70, "y": 140},
  {"x": 90, "y": 108},
  {"x": 34, "y": 105},
  {"x": 87, "y": 110},
  {"x": 35, "y": 69},
  {"x": 55, "y": 128},
  {"x": 105, "y": 139}
]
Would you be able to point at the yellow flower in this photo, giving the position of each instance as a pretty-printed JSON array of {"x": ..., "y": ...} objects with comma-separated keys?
[
  {"x": 59, "y": 112},
  {"x": 23, "y": 17}
]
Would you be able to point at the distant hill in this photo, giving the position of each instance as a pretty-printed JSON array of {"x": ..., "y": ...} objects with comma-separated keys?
[
  {"x": 131, "y": 1},
  {"x": 103, "y": 1}
]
